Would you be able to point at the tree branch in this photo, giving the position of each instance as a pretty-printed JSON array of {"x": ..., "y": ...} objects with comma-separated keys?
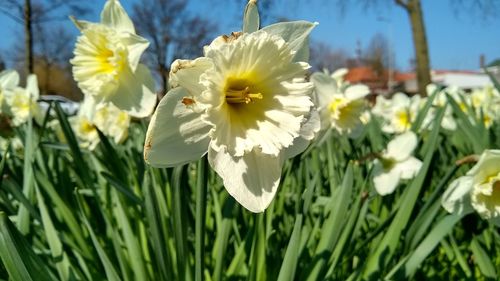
[{"x": 402, "y": 4}]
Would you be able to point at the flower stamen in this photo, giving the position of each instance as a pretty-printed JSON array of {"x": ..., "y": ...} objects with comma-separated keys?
[{"x": 241, "y": 95}]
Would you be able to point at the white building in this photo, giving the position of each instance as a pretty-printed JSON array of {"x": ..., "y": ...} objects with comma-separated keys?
[{"x": 466, "y": 80}]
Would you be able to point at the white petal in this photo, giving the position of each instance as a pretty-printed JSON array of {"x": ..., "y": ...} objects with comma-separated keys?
[
  {"x": 251, "y": 179},
  {"x": 32, "y": 87},
  {"x": 307, "y": 132},
  {"x": 80, "y": 24},
  {"x": 408, "y": 168},
  {"x": 325, "y": 87},
  {"x": 136, "y": 45},
  {"x": 486, "y": 166},
  {"x": 296, "y": 34},
  {"x": 385, "y": 181},
  {"x": 356, "y": 92},
  {"x": 251, "y": 19},
  {"x": 402, "y": 146},
  {"x": 135, "y": 93},
  {"x": 9, "y": 79},
  {"x": 339, "y": 74},
  {"x": 176, "y": 134},
  {"x": 456, "y": 198},
  {"x": 114, "y": 16},
  {"x": 186, "y": 73}
]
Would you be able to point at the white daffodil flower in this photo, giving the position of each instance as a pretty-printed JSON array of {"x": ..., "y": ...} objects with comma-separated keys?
[
  {"x": 478, "y": 190},
  {"x": 396, "y": 163},
  {"x": 9, "y": 79},
  {"x": 112, "y": 121},
  {"x": 106, "y": 63},
  {"x": 340, "y": 105},
  {"x": 85, "y": 131},
  {"x": 22, "y": 102},
  {"x": 403, "y": 113},
  {"x": 440, "y": 100},
  {"x": 246, "y": 103}
]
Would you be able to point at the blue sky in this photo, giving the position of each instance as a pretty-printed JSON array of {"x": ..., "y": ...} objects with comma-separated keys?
[{"x": 455, "y": 42}]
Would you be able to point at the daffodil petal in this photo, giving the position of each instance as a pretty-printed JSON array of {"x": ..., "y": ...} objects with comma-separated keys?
[
  {"x": 32, "y": 87},
  {"x": 114, "y": 16},
  {"x": 356, "y": 92},
  {"x": 325, "y": 87},
  {"x": 251, "y": 179},
  {"x": 176, "y": 134},
  {"x": 296, "y": 34},
  {"x": 135, "y": 93},
  {"x": 456, "y": 198},
  {"x": 136, "y": 45},
  {"x": 385, "y": 181},
  {"x": 9, "y": 79},
  {"x": 186, "y": 73},
  {"x": 409, "y": 167},
  {"x": 307, "y": 132},
  {"x": 402, "y": 146}
]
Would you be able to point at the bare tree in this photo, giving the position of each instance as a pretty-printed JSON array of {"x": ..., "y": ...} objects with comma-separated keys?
[
  {"x": 172, "y": 31},
  {"x": 322, "y": 56},
  {"x": 378, "y": 54},
  {"x": 31, "y": 12},
  {"x": 53, "y": 49},
  {"x": 413, "y": 9}
]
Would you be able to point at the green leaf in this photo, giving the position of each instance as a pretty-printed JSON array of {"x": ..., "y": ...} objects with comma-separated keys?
[
  {"x": 333, "y": 226},
  {"x": 482, "y": 259},
  {"x": 201, "y": 209},
  {"x": 59, "y": 256},
  {"x": 425, "y": 248},
  {"x": 289, "y": 265},
  {"x": 18, "y": 258},
  {"x": 111, "y": 274}
]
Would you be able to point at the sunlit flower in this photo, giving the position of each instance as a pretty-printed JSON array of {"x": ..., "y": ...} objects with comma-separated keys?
[
  {"x": 85, "y": 131},
  {"x": 479, "y": 189},
  {"x": 440, "y": 100},
  {"x": 22, "y": 102},
  {"x": 9, "y": 79},
  {"x": 112, "y": 121},
  {"x": 106, "y": 63},
  {"x": 396, "y": 163},
  {"x": 402, "y": 114},
  {"x": 340, "y": 105},
  {"x": 247, "y": 103}
]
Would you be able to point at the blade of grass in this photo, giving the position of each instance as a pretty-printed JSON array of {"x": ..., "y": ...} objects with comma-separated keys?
[
  {"x": 201, "y": 209},
  {"x": 442, "y": 228},
  {"x": 289, "y": 265},
  {"x": 18, "y": 258},
  {"x": 482, "y": 259},
  {"x": 23, "y": 218},
  {"x": 332, "y": 227},
  {"x": 58, "y": 255},
  {"x": 111, "y": 274}
]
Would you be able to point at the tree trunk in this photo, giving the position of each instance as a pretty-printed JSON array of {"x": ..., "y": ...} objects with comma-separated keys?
[
  {"x": 28, "y": 40},
  {"x": 414, "y": 10}
]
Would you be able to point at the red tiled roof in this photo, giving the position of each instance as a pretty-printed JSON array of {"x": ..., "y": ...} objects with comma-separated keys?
[{"x": 361, "y": 74}]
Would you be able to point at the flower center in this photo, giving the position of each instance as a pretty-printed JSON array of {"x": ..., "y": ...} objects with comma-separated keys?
[
  {"x": 387, "y": 163},
  {"x": 240, "y": 91},
  {"x": 403, "y": 118}
]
